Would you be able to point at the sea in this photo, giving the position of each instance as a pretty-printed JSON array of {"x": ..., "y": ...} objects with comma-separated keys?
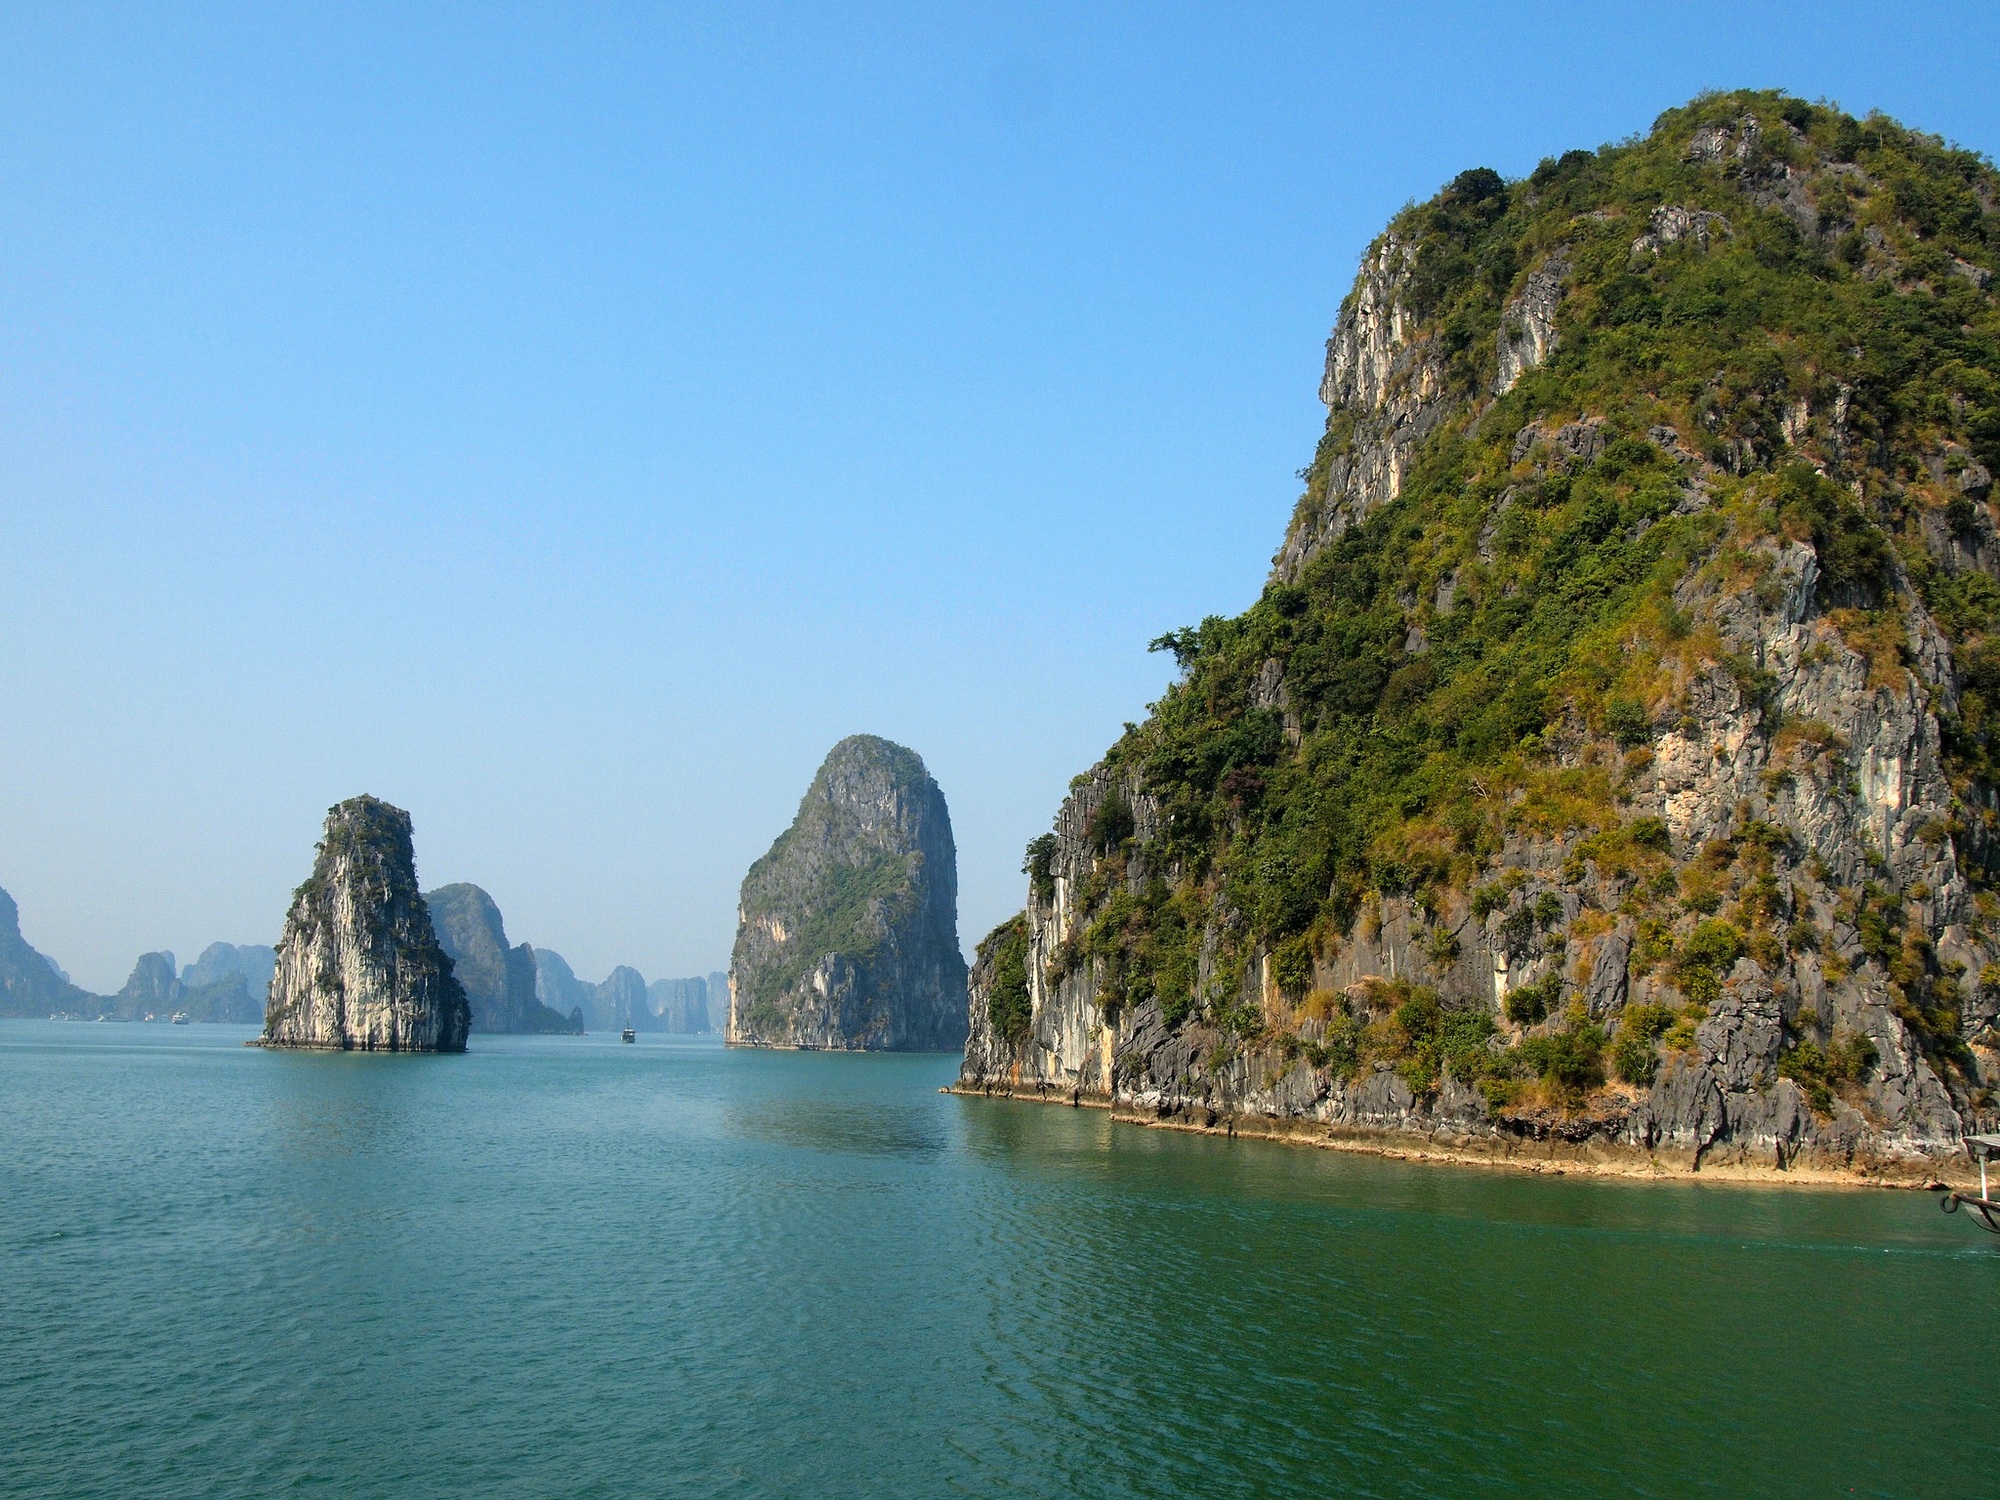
[{"x": 572, "y": 1267}]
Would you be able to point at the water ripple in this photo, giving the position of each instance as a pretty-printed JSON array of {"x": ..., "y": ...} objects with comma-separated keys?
[{"x": 561, "y": 1267}]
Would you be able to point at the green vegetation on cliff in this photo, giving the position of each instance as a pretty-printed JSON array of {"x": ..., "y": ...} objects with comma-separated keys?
[
  {"x": 1008, "y": 1005},
  {"x": 1776, "y": 326},
  {"x": 855, "y": 906},
  {"x": 848, "y": 934}
]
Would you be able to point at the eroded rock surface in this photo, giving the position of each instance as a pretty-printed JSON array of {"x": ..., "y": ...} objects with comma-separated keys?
[
  {"x": 1762, "y": 913},
  {"x": 848, "y": 929},
  {"x": 359, "y": 966}
]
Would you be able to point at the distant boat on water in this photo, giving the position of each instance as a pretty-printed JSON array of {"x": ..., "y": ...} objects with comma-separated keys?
[
  {"x": 180, "y": 1018},
  {"x": 628, "y": 1035}
]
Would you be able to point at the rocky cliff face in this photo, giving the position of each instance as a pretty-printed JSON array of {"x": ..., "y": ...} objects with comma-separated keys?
[
  {"x": 499, "y": 981},
  {"x": 30, "y": 984},
  {"x": 359, "y": 966},
  {"x": 1605, "y": 772},
  {"x": 558, "y": 989},
  {"x": 1385, "y": 385},
  {"x": 621, "y": 1000},
  {"x": 848, "y": 928}
]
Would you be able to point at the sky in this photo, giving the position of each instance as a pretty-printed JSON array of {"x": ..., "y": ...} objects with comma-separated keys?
[{"x": 567, "y": 422}]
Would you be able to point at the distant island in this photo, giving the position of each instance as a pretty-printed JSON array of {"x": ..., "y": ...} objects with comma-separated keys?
[
  {"x": 848, "y": 934},
  {"x": 690, "y": 1006},
  {"x": 227, "y": 983},
  {"x": 509, "y": 988}
]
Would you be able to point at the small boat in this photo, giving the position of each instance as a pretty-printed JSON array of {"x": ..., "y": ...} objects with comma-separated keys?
[
  {"x": 1982, "y": 1149},
  {"x": 180, "y": 1018},
  {"x": 628, "y": 1035}
]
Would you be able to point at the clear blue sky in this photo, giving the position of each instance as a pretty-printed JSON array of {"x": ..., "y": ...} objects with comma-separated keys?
[{"x": 567, "y": 422}]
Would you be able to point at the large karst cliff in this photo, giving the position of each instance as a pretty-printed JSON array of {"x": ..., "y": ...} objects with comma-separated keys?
[
  {"x": 1606, "y": 772},
  {"x": 847, "y": 933},
  {"x": 359, "y": 966}
]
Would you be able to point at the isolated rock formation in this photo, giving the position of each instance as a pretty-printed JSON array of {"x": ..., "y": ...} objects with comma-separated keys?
[
  {"x": 621, "y": 1000},
  {"x": 499, "y": 981},
  {"x": 359, "y": 966},
  {"x": 847, "y": 933},
  {"x": 153, "y": 989}
]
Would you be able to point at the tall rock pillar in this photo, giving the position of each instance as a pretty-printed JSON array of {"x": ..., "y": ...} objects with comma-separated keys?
[{"x": 359, "y": 966}]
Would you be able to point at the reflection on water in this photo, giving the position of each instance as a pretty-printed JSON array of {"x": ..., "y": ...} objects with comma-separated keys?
[
  {"x": 877, "y": 1129},
  {"x": 324, "y": 1106},
  {"x": 563, "y": 1266}
]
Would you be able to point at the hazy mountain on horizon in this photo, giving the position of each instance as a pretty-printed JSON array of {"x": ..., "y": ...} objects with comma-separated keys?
[
  {"x": 691, "y": 1006},
  {"x": 500, "y": 980},
  {"x": 31, "y": 983},
  {"x": 679, "y": 1006},
  {"x": 228, "y": 982},
  {"x": 254, "y": 961}
]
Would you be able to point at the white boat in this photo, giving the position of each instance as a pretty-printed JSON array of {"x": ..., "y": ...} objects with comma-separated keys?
[{"x": 180, "y": 1018}]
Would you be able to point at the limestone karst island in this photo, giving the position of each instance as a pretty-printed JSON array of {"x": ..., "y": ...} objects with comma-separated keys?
[
  {"x": 1418, "y": 912},
  {"x": 1606, "y": 772},
  {"x": 359, "y": 966},
  {"x": 847, "y": 930}
]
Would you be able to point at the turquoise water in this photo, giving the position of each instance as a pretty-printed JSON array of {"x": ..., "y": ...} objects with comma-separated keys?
[{"x": 567, "y": 1267}]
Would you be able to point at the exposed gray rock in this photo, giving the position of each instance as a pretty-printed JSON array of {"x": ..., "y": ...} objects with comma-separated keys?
[
  {"x": 1570, "y": 445},
  {"x": 1528, "y": 322},
  {"x": 1719, "y": 143},
  {"x": 1683, "y": 1111},
  {"x": 1674, "y": 225},
  {"x": 359, "y": 966},
  {"x": 1742, "y": 1036},
  {"x": 848, "y": 927},
  {"x": 1610, "y": 956},
  {"x": 1390, "y": 383}
]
